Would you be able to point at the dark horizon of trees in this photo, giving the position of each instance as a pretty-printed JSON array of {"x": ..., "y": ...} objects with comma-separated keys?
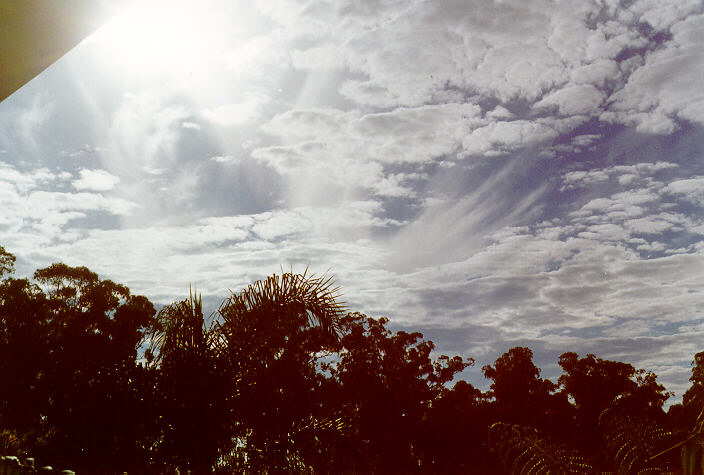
[{"x": 283, "y": 380}]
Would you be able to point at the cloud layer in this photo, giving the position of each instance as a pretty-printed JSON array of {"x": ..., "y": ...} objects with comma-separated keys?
[{"x": 493, "y": 174}]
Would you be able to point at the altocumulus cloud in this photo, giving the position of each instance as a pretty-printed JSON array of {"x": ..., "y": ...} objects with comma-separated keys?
[{"x": 491, "y": 173}]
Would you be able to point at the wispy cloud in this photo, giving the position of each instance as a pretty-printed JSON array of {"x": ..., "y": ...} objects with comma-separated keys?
[{"x": 95, "y": 180}]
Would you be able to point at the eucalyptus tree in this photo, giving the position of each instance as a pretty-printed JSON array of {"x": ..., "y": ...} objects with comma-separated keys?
[
  {"x": 7, "y": 262},
  {"x": 389, "y": 384},
  {"x": 95, "y": 329},
  {"x": 70, "y": 382}
]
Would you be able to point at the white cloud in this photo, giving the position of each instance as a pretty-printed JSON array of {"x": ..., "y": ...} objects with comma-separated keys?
[
  {"x": 258, "y": 56},
  {"x": 298, "y": 125},
  {"x": 598, "y": 73},
  {"x": 190, "y": 125},
  {"x": 25, "y": 181},
  {"x": 574, "y": 100},
  {"x": 228, "y": 159},
  {"x": 143, "y": 132},
  {"x": 649, "y": 225},
  {"x": 691, "y": 189},
  {"x": 327, "y": 148},
  {"x": 625, "y": 174},
  {"x": 503, "y": 137},
  {"x": 667, "y": 86},
  {"x": 219, "y": 252},
  {"x": 500, "y": 112},
  {"x": 238, "y": 113},
  {"x": 664, "y": 14},
  {"x": 416, "y": 134},
  {"x": 29, "y": 120},
  {"x": 95, "y": 180},
  {"x": 49, "y": 201}
]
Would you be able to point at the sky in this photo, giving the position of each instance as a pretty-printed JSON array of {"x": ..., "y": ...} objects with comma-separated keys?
[{"x": 491, "y": 173}]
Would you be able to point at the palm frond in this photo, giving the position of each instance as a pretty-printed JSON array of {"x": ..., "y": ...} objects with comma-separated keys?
[
  {"x": 287, "y": 300},
  {"x": 523, "y": 451},
  {"x": 179, "y": 327}
]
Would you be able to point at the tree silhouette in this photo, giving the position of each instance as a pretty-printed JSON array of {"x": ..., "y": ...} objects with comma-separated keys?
[
  {"x": 695, "y": 393},
  {"x": 68, "y": 348},
  {"x": 522, "y": 397},
  {"x": 270, "y": 338},
  {"x": 683, "y": 416},
  {"x": 279, "y": 380},
  {"x": 595, "y": 384},
  {"x": 25, "y": 356},
  {"x": 191, "y": 388},
  {"x": 388, "y": 382},
  {"x": 7, "y": 262}
]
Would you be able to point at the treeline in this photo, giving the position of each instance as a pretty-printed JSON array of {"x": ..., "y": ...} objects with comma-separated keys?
[{"x": 282, "y": 380}]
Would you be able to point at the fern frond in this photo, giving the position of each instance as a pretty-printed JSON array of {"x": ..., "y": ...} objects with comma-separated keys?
[
  {"x": 634, "y": 443},
  {"x": 331, "y": 424},
  {"x": 693, "y": 449},
  {"x": 523, "y": 451}
]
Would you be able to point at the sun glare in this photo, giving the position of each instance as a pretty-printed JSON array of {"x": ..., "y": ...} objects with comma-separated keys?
[{"x": 159, "y": 37}]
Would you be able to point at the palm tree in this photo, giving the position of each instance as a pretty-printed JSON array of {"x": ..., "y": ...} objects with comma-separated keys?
[
  {"x": 180, "y": 329},
  {"x": 239, "y": 393},
  {"x": 271, "y": 336},
  {"x": 191, "y": 388},
  {"x": 278, "y": 306}
]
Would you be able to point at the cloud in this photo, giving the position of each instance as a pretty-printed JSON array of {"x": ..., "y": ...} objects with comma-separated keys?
[
  {"x": 238, "y": 113},
  {"x": 504, "y": 137},
  {"x": 220, "y": 252},
  {"x": 626, "y": 174},
  {"x": 328, "y": 148},
  {"x": 666, "y": 87},
  {"x": 143, "y": 132},
  {"x": 226, "y": 159},
  {"x": 35, "y": 214},
  {"x": 25, "y": 181},
  {"x": 415, "y": 134},
  {"x": 95, "y": 180},
  {"x": 463, "y": 167},
  {"x": 574, "y": 100},
  {"x": 598, "y": 73},
  {"x": 29, "y": 120},
  {"x": 258, "y": 56},
  {"x": 190, "y": 125},
  {"x": 66, "y": 202},
  {"x": 691, "y": 189}
]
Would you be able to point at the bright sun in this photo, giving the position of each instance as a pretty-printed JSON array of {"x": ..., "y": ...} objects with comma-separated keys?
[{"x": 162, "y": 37}]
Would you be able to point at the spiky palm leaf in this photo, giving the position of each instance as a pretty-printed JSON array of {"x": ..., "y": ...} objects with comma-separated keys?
[
  {"x": 180, "y": 327},
  {"x": 523, "y": 451},
  {"x": 635, "y": 443},
  {"x": 279, "y": 305}
]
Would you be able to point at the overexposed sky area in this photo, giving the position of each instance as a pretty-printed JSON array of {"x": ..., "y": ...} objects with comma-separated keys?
[{"x": 491, "y": 173}]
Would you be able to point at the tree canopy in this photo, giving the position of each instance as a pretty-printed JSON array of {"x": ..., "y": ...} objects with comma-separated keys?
[{"x": 281, "y": 379}]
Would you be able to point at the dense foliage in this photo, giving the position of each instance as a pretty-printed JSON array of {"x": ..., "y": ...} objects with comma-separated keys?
[{"x": 281, "y": 380}]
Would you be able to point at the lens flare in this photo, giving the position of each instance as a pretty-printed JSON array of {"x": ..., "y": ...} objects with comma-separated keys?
[{"x": 158, "y": 37}]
